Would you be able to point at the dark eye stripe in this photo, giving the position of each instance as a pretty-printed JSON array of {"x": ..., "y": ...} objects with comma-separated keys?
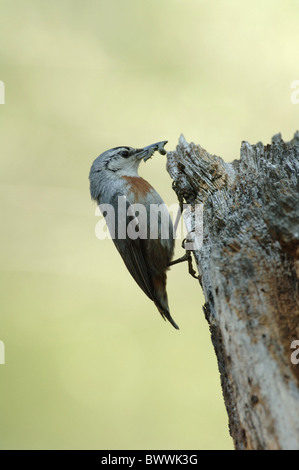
[
  {"x": 121, "y": 147},
  {"x": 125, "y": 152}
]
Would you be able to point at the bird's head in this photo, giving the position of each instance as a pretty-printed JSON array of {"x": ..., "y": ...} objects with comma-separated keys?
[{"x": 121, "y": 161}]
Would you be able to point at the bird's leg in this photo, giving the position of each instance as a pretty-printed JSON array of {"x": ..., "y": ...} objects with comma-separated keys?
[
  {"x": 187, "y": 257},
  {"x": 179, "y": 260},
  {"x": 190, "y": 265}
]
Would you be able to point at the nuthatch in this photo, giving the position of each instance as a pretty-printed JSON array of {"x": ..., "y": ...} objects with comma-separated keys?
[{"x": 114, "y": 174}]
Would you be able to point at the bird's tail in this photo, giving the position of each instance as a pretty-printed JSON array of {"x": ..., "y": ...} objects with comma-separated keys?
[
  {"x": 166, "y": 315},
  {"x": 160, "y": 298}
]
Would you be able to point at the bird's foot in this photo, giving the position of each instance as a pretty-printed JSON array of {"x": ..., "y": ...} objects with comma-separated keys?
[{"x": 187, "y": 257}]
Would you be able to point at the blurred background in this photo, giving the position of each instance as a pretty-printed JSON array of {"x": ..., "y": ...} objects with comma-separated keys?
[{"x": 89, "y": 361}]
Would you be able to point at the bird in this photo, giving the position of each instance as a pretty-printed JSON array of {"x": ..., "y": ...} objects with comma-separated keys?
[{"x": 115, "y": 183}]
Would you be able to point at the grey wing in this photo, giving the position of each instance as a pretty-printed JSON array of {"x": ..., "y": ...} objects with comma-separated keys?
[{"x": 132, "y": 251}]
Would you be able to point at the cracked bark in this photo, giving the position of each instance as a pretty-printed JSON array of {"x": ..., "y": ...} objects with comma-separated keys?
[{"x": 248, "y": 267}]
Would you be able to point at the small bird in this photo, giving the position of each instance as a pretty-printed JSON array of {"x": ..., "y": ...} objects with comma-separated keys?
[{"x": 114, "y": 175}]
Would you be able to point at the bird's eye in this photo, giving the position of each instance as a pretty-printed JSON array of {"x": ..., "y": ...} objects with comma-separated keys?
[{"x": 124, "y": 153}]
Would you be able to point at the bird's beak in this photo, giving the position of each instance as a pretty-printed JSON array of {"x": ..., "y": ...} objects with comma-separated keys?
[{"x": 148, "y": 151}]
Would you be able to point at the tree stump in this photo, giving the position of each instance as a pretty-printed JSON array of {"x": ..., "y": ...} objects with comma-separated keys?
[{"x": 248, "y": 268}]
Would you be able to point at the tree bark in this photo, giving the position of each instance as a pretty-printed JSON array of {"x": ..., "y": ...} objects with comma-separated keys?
[{"x": 248, "y": 268}]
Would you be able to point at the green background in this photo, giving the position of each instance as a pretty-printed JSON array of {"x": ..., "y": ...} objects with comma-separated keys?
[{"x": 89, "y": 361}]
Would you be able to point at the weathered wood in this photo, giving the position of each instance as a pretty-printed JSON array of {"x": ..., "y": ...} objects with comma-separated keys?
[{"x": 249, "y": 269}]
